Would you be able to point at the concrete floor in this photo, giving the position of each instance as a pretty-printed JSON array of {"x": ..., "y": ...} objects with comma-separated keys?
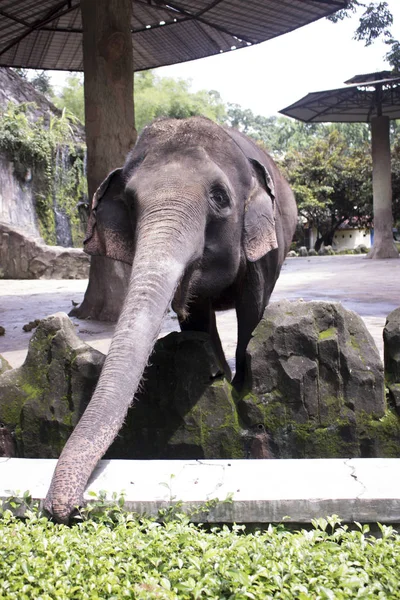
[{"x": 370, "y": 288}]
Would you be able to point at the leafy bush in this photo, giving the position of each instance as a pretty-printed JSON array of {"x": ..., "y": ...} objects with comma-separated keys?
[{"x": 118, "y": 555}]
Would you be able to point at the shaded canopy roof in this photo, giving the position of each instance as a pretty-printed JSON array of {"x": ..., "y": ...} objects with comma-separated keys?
[
  {"x": 47, "y": 34},
  {"x": 352, "y": 104}
]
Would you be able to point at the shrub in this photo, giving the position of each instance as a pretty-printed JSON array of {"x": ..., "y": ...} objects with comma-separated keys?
[{"x": 118, "y": 555}]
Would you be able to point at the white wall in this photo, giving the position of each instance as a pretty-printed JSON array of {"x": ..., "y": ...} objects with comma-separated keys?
[{"x": 348, "y": 239}]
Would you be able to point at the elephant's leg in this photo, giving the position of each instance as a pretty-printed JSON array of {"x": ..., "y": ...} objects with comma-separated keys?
[
  {"x": 250, "y": 304},
  {"x": 248, "y": 315},
  {"x": 202, "y": 318}
]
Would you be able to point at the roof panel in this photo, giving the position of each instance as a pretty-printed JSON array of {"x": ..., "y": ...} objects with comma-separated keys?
[
  {"x": 346, "y": 105},
  {"x": 48, "y": 34}
]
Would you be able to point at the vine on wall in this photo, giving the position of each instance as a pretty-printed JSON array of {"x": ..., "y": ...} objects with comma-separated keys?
[{"x": 35, "y": 146}]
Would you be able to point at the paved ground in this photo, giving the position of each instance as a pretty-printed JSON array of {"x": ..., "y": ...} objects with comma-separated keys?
[{"x": 370, "y": 288}]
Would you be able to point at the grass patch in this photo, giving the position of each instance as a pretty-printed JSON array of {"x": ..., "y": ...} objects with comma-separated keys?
[{"x": 114, "y": 554}]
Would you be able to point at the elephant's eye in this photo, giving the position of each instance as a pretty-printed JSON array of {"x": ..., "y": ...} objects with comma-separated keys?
[{"x": 220, "y": 198}]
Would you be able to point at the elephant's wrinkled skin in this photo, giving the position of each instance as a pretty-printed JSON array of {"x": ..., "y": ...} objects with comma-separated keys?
[{"x": 206, "y": 219}]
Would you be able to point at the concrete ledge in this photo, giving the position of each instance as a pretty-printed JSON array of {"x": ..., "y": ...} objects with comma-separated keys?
[{"x": 262, "y": 491}]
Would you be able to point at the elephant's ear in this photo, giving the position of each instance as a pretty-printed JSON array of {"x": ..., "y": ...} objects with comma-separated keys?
[
  {"x": 259, "y": 216},
  {"x": 110, "y": 231}
]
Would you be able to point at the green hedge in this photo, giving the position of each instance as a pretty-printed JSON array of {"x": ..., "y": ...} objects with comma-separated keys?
[{"x": 118, "y": 555}]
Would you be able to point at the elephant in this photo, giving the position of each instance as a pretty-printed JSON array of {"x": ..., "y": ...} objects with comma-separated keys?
[{"x": 206, "y": 219}]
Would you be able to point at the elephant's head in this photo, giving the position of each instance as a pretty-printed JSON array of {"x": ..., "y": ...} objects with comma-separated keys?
[{"x": 187, "y": 210}]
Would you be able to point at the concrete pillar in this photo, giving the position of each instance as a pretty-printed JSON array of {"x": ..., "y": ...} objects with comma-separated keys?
[
  {"x": 110, "y": 131},
  {"x": 384, "y": 246}
]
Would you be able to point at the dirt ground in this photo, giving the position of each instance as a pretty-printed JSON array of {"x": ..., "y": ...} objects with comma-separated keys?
[{"x": 369, "y": 287}]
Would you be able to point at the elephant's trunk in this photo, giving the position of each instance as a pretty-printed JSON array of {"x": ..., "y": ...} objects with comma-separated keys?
[{"x": 160, "y": 261}]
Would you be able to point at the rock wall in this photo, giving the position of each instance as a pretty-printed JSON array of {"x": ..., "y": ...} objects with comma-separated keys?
[
  {"x": 27, "y": 257},
  {"x": 24, "y": 188},
  {"x": 17, "y": 206},
  {"x": 315, "y": 390},
  {"x": 14, "y": 88}
]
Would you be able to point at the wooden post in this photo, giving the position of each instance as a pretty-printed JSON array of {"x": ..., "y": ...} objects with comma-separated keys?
[
  {"x": 384, "y": 246},
  {"x": 110, "y": 131}
]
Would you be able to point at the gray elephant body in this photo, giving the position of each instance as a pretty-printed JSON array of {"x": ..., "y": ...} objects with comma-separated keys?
[{"x": 206, "y": 219}]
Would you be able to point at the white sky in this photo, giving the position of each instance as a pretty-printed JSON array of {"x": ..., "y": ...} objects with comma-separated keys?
[{"x": 276, "y": 73}]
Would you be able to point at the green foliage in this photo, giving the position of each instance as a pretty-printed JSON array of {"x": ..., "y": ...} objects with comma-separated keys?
[
  {"x": 21, "y": 138},
  {"x": 71, "y": 97},
  {"x": 396, "y": 172},
  {"x": 167, "y": 97},
  {"x": 120, "y": 555},
  {"x": 332, "y": 181},
  {"x": 42, "y": 82},
  {"x": 154, "y": 97},
  {"x": 374, "y": 23},
  {"x": 33, "y": 145}
]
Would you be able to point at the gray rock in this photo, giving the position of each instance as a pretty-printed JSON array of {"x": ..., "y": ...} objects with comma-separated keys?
[
  {"x": 316, "y": 383},
  {"x": 4, "y": 365},
  {"x": 303, "y": 251},
  {"x": 391, "y": 349},
  {"x": 41, "y": 401},
  {"x": 292, "y": 254},
  {"x": 185, "y": 409},
  {"x": 7, "y": 443},
  {"x": 26, "y": 257},
  {"x": 312, "y": 252}
]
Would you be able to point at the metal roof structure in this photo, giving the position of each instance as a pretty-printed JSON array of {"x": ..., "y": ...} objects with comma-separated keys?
[
  {"x": 47, "y": 34},
  {"x": 370, "y": 95}
]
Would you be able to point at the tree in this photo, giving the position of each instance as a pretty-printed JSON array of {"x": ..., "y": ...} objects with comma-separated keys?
[
  {"x": 154, "y": 97},
  {"x": 374, "y": 23},
  {"x": 166, "y": 97},
  {"x": 71, "y": 97},
  {"x": 21, "y": 72},
  {"x": 332, "y": 183},
  {"x": 42, "y": 82},
  {"x": 396, "y": 172},
  {"x": 39, "y": 79}
]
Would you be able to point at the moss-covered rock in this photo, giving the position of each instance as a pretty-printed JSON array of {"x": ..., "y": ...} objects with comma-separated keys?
[
  {"x": 4, "y": 365},
  {"x": 41, "y": 401},
  {"x": 185, "y": 408},
  {"x": 391, "y": 347},
  {"x": 315, "y": 390},
  {"x": 316, "y": 382}
]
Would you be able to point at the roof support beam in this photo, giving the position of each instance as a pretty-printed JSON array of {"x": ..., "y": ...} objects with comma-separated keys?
[{"x": 52, "y": 14}]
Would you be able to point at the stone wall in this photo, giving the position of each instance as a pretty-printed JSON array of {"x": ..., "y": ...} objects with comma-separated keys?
[{"x": 27, "y": 257}]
